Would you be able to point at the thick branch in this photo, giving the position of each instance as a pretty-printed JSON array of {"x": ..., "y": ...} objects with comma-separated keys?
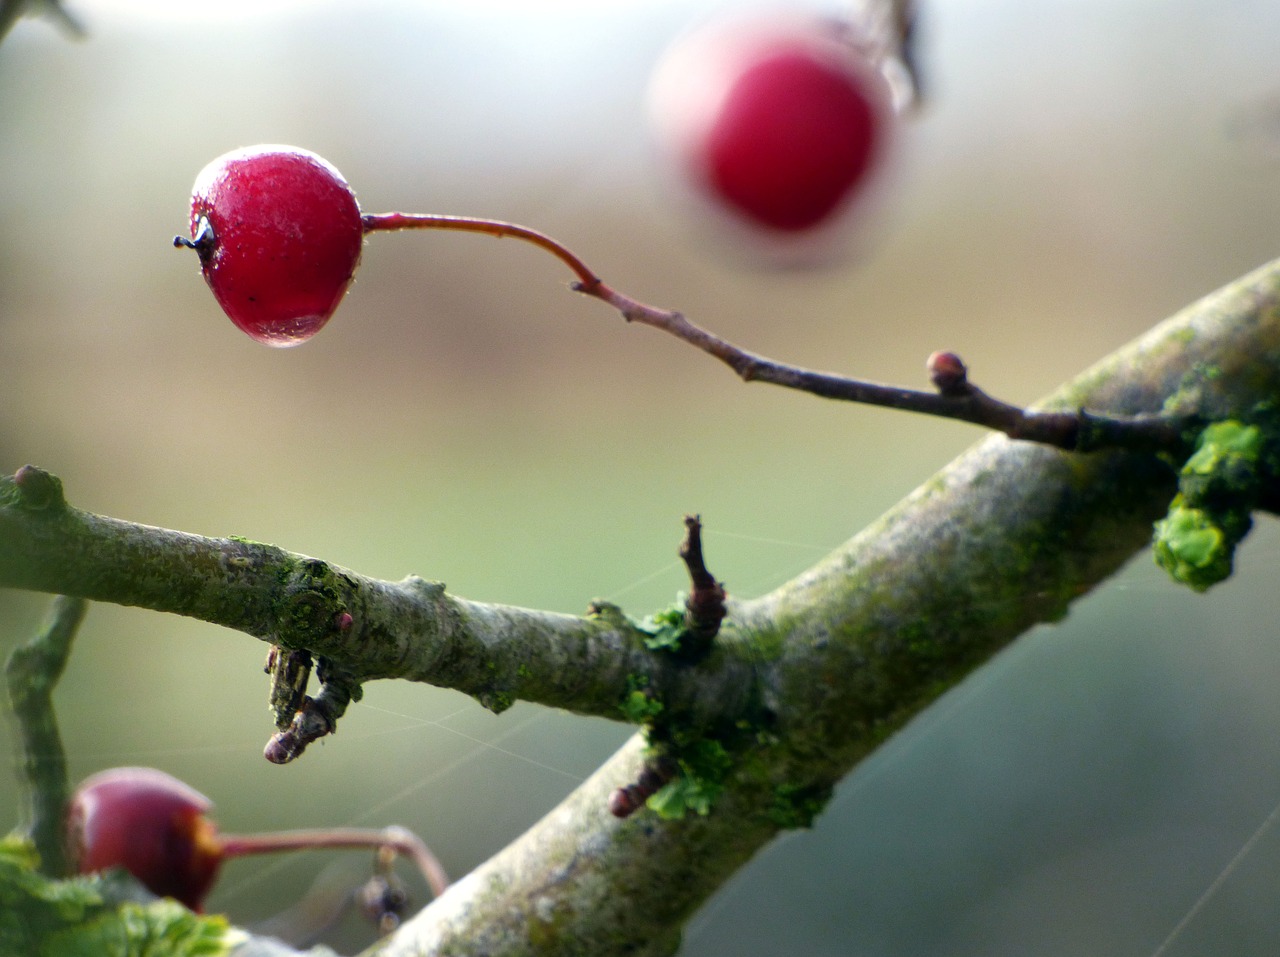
[
  {"x": 362, "y": 628},
  {"x": 1005, "y": 537}
]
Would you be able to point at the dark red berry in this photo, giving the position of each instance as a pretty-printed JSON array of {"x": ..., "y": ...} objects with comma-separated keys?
[
  {"x": 279, "y": 235},
  {"x": 779, "y": 121},
  {"x": 149, "y": 823}
]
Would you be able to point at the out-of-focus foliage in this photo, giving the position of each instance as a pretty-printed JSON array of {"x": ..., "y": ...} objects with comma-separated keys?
[{"x": 87, "y": 917}]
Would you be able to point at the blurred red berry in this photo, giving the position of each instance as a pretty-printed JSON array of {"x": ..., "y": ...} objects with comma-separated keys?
[
  {"x": 781, "y": 122},
  {"x": 279, "y": 235},
  {"x": 149, "y": 823}
]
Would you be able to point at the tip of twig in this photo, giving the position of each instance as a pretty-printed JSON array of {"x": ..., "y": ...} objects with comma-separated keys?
[
  {"x": 704, "y": 609},
  {"x": 626, "y": 800},
  {"x": 316, "y": 718}
]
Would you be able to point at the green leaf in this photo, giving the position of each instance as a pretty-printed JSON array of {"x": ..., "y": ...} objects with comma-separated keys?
[
  {"x": 42, "y": 917},
  {"x": 704, "y": 764},
  {"x": 639, "y": 707},
  {"x": 664, "y": 629},
  {"x": 161, "y": 929}
]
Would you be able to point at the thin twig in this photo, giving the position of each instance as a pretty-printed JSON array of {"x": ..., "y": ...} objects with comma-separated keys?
[
  {"x": 704, "y": 608},
  {"x": 375, "y": 222},
  {"x": 656, "y": 772},
  {"x": 1078, "y": 431},
  {"x": 31, "y": 673}
]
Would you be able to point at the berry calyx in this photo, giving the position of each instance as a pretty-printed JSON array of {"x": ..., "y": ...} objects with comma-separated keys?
[
  {"x": 279, "y": 235},
  {"x": 149, "y": 823},
  {"x": 779, "y": 122}
]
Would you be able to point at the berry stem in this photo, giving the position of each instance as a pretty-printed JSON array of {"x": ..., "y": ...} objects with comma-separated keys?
[
  {"x": 395, "y": 839},
  {"x": 490, "y": 227},
  {"x": 1078, "y": 431}
]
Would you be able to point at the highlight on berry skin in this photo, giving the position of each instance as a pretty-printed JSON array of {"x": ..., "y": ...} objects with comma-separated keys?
[
  {"x": 776, "y": 129},
  {"x": 279, "y": 235}
]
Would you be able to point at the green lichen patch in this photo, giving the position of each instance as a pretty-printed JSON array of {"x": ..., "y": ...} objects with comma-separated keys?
[
  {"x": 1218, "y": 488},
  {"x": 495, "y": 701},
  {"x": 1223, "y": 440},
  {"x": 641, "y": 705},
  {"x": 609, "y": 613},
  {"x": 664, "y": 630},
  {"x": 1192, "y": 548},
  {"x": 703, "y": 764}
]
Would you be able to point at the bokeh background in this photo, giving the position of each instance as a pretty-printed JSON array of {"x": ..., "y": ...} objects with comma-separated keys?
[{"x": 1081, "y": 169}]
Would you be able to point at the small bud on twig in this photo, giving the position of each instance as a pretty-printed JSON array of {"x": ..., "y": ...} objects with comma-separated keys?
[
  {"x": 625, "y": 801},
  {"x": 39, "y": 489},
  {"x": 948, "y": 374}
]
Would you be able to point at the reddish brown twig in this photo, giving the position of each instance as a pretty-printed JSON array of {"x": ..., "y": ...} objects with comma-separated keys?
[
  {"x": 381, "y": 222},
  {"x": 704, "y": 608},
  {"x": 1075, "y": 431},
  {"x": 626, "y": 800}
]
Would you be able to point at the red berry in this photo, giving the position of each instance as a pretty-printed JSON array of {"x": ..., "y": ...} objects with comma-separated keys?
[
  {"x": 149, "y": 823},
  {"x": 781, "y": 122},
  {"x": 279, "y": 235}
]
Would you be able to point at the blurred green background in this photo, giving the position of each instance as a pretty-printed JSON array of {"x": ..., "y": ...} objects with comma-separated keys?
[{"x": 1082, "y": 168}]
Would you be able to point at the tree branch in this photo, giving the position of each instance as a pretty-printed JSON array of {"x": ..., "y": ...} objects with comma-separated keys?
[
  {"x": 819, "y": 672},
  {"x": 32, "y": 671},
  {"x": 358, "y": 628},
  {"x": 1005, "y": 537},
  {"x": 1072, "y": 429}
]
